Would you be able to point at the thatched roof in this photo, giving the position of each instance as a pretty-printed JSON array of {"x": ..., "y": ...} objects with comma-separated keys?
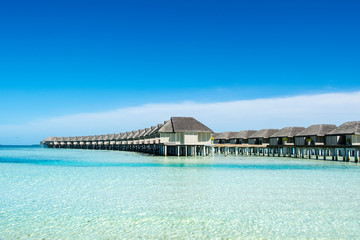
[
  {"x": 111, "y": 136},
  {"x": 347, "y": 128},
  {"x": 104, "y": 137},
  {"x": 122, "y": 136},
  {"x": 158, "y": 127},
  {"x": 264, "y": 133},
  {"x": 129, "y": 135},
  {"x": 184, "y": 124},
  {"x": 147, "y": 132},
  {"x": 288, "y": 132},
  {"x": 153, "y": 129},
  {"x": 136, "y": 134},
  {"x": 168, "y": 127},
  {"x": 141, "y": 133},
  {"x": 49, "y": 139},
  {"x": 214, "y": 135},
  {"x": 317, "y": 130},
  {"x": 243, "y": 134},
  {"x": 226, "y": 135}
]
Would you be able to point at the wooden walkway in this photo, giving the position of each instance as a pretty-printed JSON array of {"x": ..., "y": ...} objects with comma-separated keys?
[{"x": 335, "y": 153}]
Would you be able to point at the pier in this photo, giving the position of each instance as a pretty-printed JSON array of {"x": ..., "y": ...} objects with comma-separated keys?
[
  {"x": 180, "y": 136},
  {"x": 334, "y": 153},
  {"x": 185, "y": 136},
  {"x": 321, "y": 141}
]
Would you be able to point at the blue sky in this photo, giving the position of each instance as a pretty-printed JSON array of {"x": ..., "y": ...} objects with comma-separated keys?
[{"x": 60, "y": 58}]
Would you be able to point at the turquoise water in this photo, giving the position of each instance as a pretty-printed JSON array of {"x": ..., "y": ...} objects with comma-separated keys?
[{"x": 85, "y": 194}]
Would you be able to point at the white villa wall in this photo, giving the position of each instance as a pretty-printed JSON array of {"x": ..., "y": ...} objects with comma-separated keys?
[
  {"x": 204, "y": 138},
  {"x": 355, "y": 140},
  {"x": 186, "y": 138},
  {"x": 177, "y": 138},
  {"x": 190, "y": 138}
]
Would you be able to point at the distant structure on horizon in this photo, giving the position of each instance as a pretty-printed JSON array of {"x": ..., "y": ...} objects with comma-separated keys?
[{"x": 179, "y": 136}]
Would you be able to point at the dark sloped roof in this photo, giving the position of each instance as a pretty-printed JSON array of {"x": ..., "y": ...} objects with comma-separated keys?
[
  {"x": 153, "y": 130},
  {"x": 184, "y": 124},
  {"x": 188, "y": 124},
  {"x": 347, "y": 128},
  {"x": 168, "y": 127},
  {"x": 317, "y": 130},
  {"x": 214, "y": 135},
  {"x": 111, "y": 136},
  {"x": 243, "y": 134},
  {"x": 158, "y": 127},
  {"x": 49, "y": 139},
  {"x": 226, "y": 135},
  {"x": 142, "y": 132},
  {"x": 288, "y": 132},
  {"x": 105, "y": 137},
  {"x": 264, "y": 133},
  {"x": 136, "y": 134},
  {"x": 129, "y": 135},
  {"x": 122, "y": 136},
  {"x": 147, "y": 131}
]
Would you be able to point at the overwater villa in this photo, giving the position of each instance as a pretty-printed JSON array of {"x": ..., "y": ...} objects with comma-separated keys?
[
  {"x": 185, "y": 136},
  {"x": 262, "y": 137},
  {"x": 346, "y": 134},
  {"x": 242, "y": 137},
  {"x": 180, "y": 136},
  {"x": 286, "y": 136},
  {"x": 314, "y": 135},
  {"x": 224, "y": 137}
]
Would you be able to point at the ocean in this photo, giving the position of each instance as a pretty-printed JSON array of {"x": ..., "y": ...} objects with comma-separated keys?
[{"x": 89, "y": 194}]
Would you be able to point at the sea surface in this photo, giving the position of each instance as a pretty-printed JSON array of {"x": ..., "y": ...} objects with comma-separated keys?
[{"x": 88, "y": 194}]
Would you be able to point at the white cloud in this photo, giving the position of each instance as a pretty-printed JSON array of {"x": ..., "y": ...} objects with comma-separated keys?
[{"x": 255, "y": 114}]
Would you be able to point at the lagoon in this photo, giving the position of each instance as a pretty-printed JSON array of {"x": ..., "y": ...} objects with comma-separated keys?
[{"x": 89, "y": 194}]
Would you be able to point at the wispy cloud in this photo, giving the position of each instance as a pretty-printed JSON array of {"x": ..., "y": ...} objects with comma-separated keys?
[{"x": 255, "y": 114}]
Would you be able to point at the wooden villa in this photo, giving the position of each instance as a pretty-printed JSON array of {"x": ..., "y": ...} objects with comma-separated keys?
[
  {"x": 242, "y": 137},
  {"x": 180, "y": 136},
  {"x": 286, "y": 136},
  {"x": 224, "y": 137},
  {"x": 346, "y": 134},
  {"x": 185, "y": 136},
  {"x": 262, "y": 137},
  {"x": 314, "y": 135}
]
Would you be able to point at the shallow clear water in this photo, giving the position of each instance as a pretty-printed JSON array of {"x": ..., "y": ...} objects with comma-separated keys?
[{"x": 85, "y": 194}]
